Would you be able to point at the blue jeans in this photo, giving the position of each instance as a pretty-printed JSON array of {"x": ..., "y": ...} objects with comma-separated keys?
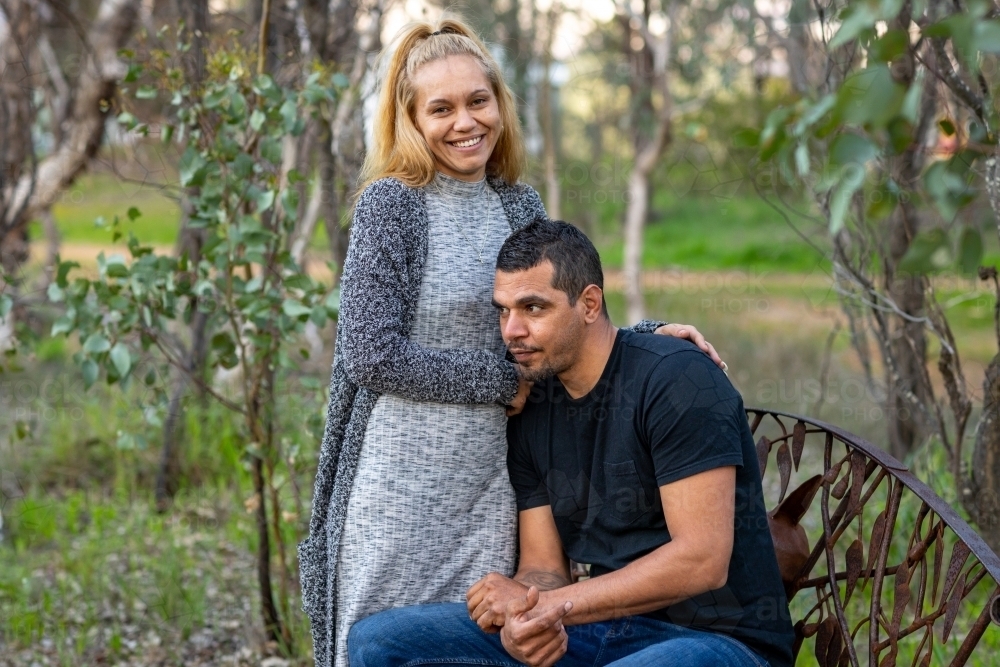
[{"x": 443, "y": 634}]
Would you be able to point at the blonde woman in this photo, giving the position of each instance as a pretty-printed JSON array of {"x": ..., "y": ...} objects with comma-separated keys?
[{"x": 412, "y": 501}]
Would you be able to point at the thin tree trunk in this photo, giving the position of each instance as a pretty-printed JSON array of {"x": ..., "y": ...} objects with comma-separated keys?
[
  {"x": 649, "y": 73},
  {"x": 546, "y": 114},
  {"x": 190, "y": 241},
  {"x": 908, "y": 342}
]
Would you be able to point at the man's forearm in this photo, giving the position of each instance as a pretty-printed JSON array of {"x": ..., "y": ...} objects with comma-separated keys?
[
  {"x": 664, "y": 577},
  {"x": 543, "y": 580}
]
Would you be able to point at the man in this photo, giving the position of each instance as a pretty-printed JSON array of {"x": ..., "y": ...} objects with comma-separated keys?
[{"x": 634, "y": 455}]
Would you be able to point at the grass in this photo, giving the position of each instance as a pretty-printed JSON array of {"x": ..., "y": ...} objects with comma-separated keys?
[{"x": 92, "y": 573}]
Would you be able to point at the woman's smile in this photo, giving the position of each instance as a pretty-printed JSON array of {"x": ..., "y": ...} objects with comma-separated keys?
[{"x": 465, "y": 144}]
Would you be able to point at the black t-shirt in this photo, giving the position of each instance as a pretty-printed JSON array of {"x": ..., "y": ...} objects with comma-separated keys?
[{"x": 662, "y": 411}]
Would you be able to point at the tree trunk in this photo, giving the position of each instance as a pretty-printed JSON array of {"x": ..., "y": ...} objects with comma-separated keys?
[
  {"x": 982, "y": 498},
  {"x": 907, "y": 339},
  {"x": 190, "y": 241},
  {"x": 546, "y": 116},
  {"x": 649, "y": 73}
]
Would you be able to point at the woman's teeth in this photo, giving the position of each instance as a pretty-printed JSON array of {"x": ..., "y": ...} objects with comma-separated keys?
[{"x": 467, "y": 143}]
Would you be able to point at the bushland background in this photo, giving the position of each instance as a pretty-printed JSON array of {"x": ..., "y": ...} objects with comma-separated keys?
[{"x": 810, "y": 183}]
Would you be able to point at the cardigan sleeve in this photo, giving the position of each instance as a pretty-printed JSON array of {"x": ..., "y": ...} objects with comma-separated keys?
[{"x": 374, "y": 292}]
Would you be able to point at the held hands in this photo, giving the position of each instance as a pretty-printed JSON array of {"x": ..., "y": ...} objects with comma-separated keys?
[
  {"x": 535, "y": 635},
  {"x": 488, "y": 599},
  {"x": 696, "y": 337}
]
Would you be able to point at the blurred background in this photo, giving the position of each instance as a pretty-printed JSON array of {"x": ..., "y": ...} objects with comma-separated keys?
[{"x": 812, "y": 184}]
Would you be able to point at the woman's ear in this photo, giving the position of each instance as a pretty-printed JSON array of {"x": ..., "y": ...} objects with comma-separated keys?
[{"x": 593, "y": 302}]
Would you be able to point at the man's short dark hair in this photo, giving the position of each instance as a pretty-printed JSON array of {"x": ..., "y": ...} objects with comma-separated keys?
[{"x": 573, "y": 256}]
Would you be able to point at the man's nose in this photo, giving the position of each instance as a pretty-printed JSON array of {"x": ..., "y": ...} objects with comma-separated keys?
[{"x": 513, "y": 328}]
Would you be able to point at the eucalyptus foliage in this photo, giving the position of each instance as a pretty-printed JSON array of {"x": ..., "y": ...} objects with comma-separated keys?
[{"x": 231, "y": 131}]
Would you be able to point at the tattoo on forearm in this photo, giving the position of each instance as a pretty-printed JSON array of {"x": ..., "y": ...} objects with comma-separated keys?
[{"x": 543, "y": 581}]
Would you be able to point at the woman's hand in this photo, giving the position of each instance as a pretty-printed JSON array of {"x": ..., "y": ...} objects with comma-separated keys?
[
  {"x": 520, "y": 398},
  {"x": 693, "y": 335}
]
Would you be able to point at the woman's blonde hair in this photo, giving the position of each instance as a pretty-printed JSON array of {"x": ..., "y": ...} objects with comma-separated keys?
[{"x": 398, "y": 148}]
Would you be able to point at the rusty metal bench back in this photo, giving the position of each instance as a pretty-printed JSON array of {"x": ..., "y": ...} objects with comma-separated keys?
[{"x": 879, "y": 569}]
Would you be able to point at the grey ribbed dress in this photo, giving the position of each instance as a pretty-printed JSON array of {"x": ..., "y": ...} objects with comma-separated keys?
[{"x": 431, "y": 509}]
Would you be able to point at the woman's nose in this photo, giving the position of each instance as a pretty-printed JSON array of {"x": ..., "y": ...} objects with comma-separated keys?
[{"x": 464, "y": 121}]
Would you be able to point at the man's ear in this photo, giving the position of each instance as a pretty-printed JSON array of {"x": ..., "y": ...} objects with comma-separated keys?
[{"x": 592, "y": 298}]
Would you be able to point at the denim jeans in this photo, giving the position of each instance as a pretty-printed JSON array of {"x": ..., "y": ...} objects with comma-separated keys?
[{"x": 443, "y": 634}]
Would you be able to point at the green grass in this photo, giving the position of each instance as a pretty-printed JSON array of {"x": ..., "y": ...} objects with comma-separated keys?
[
  {"x": 92, "y": 574},
  {"x": 705, "y": 233},
  {"x": 96, "y": 196}
]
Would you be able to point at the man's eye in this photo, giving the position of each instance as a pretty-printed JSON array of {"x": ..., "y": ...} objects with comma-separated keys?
[{"x": 534, "y": 308}]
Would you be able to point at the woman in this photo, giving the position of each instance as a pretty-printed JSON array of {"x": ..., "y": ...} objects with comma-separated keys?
[{"x": 412, "y": 500}]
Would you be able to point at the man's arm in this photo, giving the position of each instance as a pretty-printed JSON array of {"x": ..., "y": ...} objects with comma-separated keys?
[{"x": 700, "y": 512}]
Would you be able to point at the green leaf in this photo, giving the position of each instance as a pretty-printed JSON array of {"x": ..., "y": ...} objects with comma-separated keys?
[
  {"x": 295, "y": 309},
  {"x": 970, "y": 250},
  {"x": 133, "y": 213},
  {"x": 802, "y": 159},
  {"x": 89, "y": 370},
  {"x": 927, "y": 252},
  {"x": 849, "y": 148},
  {"x": 290, "y": 201},
  {"x": 987, "y": 36},
  {"x": 840, "y": 200},
  {"x": 192, "y": 168},
  {"x": 257, "y": 119},
  {"x": 63, "y": 271},
  {"x": 166, "y": 133},
  {"x": 814, "y": 113},
  {"x": 265, "y": 200},
  {"x": 146, "y": 93},
  {"x": 746, "y": 137},
  {"x": 6, "y": 303},
  {"x": 63, "y": 325},
  {"x": 55, "y": 293},
  {"x": 870, "y": 96},
  {"x": 854, "y": 20},
  {"x": 289, "y": 115},
  {"x": 889, "y": 46},
  {"x": 121, "y": 359},
  {"x": 96, "y": 343},
  {"x": 133, "y": 74}
]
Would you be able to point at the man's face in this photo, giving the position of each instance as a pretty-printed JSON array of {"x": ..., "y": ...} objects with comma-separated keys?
[{"x": 540, "y": 327}]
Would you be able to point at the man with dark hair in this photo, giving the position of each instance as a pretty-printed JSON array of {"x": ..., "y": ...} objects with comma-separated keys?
[{"x": 634, "y": 455}]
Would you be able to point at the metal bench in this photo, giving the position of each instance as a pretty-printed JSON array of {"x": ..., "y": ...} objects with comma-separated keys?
[{"x": 878, "y": 568}]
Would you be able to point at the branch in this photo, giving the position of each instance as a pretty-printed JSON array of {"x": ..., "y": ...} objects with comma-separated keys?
[
  {"x": 96, "y": 86},
  {"x": 955, "y": 83},
  {"x": 196, "y": 378}
]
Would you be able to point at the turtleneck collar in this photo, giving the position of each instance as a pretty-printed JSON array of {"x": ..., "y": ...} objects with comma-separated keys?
[{"x": 454, "y": 187}]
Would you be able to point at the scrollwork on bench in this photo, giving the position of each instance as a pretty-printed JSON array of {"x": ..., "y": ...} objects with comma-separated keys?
[{"x": 878, "y": 568}]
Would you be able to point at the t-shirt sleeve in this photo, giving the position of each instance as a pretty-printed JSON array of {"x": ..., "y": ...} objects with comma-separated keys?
[
  {"x": 529, "y": 489},
  {"x": 691, "y": 417}
]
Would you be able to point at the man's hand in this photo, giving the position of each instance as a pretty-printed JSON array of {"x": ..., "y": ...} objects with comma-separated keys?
[
  {"x": 488, "y": 599},
  {"x": 520, "y": 398},
  {"x": 695, "y": 336},
  {"x": 533, "y": 635}
]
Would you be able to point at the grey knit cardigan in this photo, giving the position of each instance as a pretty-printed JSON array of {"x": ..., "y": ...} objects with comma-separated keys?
[{"x": 373, "y": 355}]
